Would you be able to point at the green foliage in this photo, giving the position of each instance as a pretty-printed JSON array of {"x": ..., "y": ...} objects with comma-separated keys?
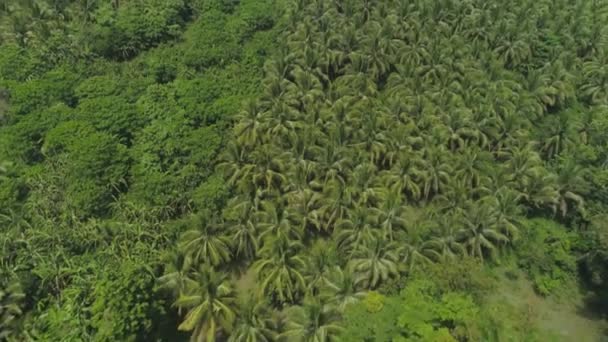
[
  {"x": 373, "y": 302},
  {"x": 16, "y": 63},
  {"x": 404, "y": 147},
  {"x": 126, "y": 306},
  {"x": 211, "y": 41},
  {"x": 362, "y": 325},
  {"x": 546, "y": 254},
  {"x": 10, "y": 308},
  {"x": 211, "y": 195},
  {"x": 54, "y": 86},
  {"x": 135, "y": 26},
  {"x": 427, "y": 314},
  {"x": 97, "y": 165}
]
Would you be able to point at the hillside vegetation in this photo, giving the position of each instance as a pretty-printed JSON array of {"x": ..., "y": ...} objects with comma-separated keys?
[{"x": 314, "y": 170}]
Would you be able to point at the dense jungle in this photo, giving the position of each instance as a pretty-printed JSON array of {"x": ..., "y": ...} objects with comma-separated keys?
[{"x": 303, "y": 170}]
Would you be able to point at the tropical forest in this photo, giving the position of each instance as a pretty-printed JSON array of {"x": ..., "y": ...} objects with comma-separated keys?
[{"x": 304, "y": 170}]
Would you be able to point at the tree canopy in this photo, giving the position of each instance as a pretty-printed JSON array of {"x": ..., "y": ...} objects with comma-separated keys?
[{"x": 308, "y": 170}]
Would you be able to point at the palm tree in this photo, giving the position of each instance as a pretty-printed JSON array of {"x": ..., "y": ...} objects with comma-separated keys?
[
  {"x": 269, "y": 167},
  {"x": 522, "y": 165},
  {"x": 480, "y": 232},
  {"x": 540, "y": 191},
  {"x": 375, "y": 262},
  {"x": 416, "y": 250},
  {"x": 276, "y": 221},
  {"x": 253, "y": 323},
  {"x": 354, "y": 229},
  {"x": 176, "y": 273},
  {"x": 446, "y": 244},
  {"x": 390, "y": 213},
  {"x": 314, "y": 321},
  {"x": 436, "y": 172},
  {"x": 206, "y": 242},
  {"x": 10, "y": 301},
  {"x": 250, "y": 120},
  {"x": 513, "y": 51},
  {"x": 320, "y": 262},
  {"x": 473, "y": 165},
  {"x": 210, "y": 301},
  {"x": 340, "y": 289},
  {"x": 306, "y": 205},
  {"x": 280, "y": 270},
  {"x": 595, "y": 73},
  {"x": 243, "y": 229},
  {"x": 405, "y": 174},
  {"x": 335, "y": 203},
  {"x": 570, "y": 185},
  {"x": 508, "y": 211},
  {"x": 236, "y": 166},
  {"x": 557, "y": 132}
]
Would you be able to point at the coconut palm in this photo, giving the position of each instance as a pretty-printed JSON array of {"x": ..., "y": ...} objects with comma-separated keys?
[
  {"x": 375, "y": 262},
  {"x": 340, "y": 289},
  {"x": 314, "y": 321},
  {"x": 243, "y": 229},
  {"x": 10, "y": 308},
  {"x": 205, "y": 241},
  {"x": 209, "y": 298},
  {"x": 405, "y": 174},
  {"x": 480, "y": 232},
  {"x": 176, "y": 273},
  {"x": 570, "y": 185},
  {"x": 253, "y": 322},
  {"x": 281, "y": 270},
  {"x": 354, "y": 229},
  {"x": 276, "y": 221},
  {"x": 436, "y": 172},
  {"x": 249, "y": 127},
  {"x": 389, "y": 216}
]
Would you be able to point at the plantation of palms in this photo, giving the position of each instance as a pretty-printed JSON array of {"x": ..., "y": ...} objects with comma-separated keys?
[{"x": 404, "y": 133}]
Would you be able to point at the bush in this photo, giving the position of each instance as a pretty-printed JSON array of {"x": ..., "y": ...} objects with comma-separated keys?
[
  {"x": 136, "y": 26},
  {"x": 545, "y": 252},
  {"x": 126, "y": 305}
]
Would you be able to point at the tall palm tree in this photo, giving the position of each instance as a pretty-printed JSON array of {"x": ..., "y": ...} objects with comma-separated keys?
[
  {"x": 269, "y": 167},
  {"x": 253, "y": 322},
  {"x": 314, "y": 321},
  {"x": 508, "y": 211},
  {"x": 375, "y": 262},
  {"x": 571, "y": 184},
  {"x": 595, "y": 73},
  {"x": 249, "y": 126},
  {"x": 10, "y": 301},
  {"x": 281, "y": 270},
  {"x": 446, "y": 244},
  {"x": 557, "y": 132},
  {"x": 405, "y": 174},
  {"x": 340, "y": 289},
  {"x": 436, "y": 172},
  {"x": 389, "y": 216},
  {"x": 479, "y": 232},
  {"x": 176, "y": 273},
  {"x": 207, "y": 241},
  {"x": 354, "y": 229},
  {"x": 210, "y": 301},
  {"x": 276, "y": 221},
  {"x": 307, "y": 204},
  {"x": 243, "y": 229},
  {"x": 320, "y": 262}
]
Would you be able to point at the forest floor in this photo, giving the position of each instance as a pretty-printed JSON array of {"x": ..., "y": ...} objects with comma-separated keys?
[
  {"x": 566, "y": 318},
  {"x": 245, "y": 284}
]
